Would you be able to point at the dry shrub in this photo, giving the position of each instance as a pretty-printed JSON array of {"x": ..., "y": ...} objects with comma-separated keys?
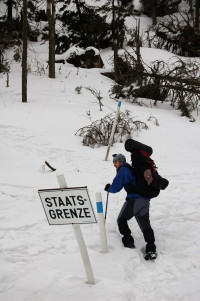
[{"x": 98, "y": 133}]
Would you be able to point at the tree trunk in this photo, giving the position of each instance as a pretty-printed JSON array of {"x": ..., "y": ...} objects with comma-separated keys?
[
  {"x": 9, "y": 16},
  {"x": 9, "y": 5},
  {"x": 137, "y": 42},
  {"x": 78, "y": 8},
  {"x": 1, "y": 58},
  {"x": 24, "y": 54},
  {"x": 197, "y": 7},
  {"x": 153, "y": 12},
  {"x": 167, "y": 77},
  {"x": 115, "y": 42},
  {"x": 51, "y": 19}
]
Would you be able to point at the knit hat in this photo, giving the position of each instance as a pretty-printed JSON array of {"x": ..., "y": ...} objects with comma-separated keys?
[{"x": 119, "y": 158}]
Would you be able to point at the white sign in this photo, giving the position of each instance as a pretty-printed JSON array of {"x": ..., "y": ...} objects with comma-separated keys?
[{"x": 67, "y": 206}]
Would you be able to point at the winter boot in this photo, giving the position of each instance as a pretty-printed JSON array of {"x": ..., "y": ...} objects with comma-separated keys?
[
  {"x": 128, "y": 241},
  {"x": 150, "y": 247},
  {"x": 150, "y": 255},
  {"x": 150, "y": 251}
]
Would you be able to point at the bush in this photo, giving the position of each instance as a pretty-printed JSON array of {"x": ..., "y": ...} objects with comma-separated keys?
[{"x": 98, "y": 133}]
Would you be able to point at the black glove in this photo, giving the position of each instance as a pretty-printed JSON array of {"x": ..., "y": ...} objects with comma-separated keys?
[{"x": 107, "y": 187}]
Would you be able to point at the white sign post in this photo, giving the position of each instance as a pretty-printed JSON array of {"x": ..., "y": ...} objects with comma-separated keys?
[
  {"x": 70, "y": 206},
  {"x": 101, "y": 221}
]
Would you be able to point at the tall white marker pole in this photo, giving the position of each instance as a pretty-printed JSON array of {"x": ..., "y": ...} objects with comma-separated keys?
[
  {"x": 80, "y": 239},
  {"x": 113, "y": 130},
  {"x": 101, "y": 222}
]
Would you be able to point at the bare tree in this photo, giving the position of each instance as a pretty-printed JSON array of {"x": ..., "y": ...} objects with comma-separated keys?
[
  {"x": 9, "y": 6},
  {"x": 153, "y": 11},
  {"x": 197, "y": 8},
  {"x": 115, "y": 40},
  {"x": 51, "y": 14},
  {"x": 177, "y": 83},
  {"x": 9, "y": 15},
  {"x": 24, "y": 53}
]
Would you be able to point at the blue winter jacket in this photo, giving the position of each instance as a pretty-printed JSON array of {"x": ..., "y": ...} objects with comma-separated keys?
[{"x": 123, "y": 179}]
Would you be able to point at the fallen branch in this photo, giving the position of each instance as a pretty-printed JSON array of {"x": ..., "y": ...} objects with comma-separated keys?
[{"x": 52, "y": 168}]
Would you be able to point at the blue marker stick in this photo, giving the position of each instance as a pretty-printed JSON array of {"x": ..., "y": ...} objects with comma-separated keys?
[
  {"x": 101, "y": 222},
  {"x": 113, "y": 130},
  {"x": 99, "y": 207}
]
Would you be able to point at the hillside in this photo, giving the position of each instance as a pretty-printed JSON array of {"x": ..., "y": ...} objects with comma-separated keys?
[{"x": 42, "y": 262}]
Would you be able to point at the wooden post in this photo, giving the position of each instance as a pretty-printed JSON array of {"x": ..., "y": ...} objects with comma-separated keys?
[
  {"x": 80, "y": 239},
  {"x": 7, "y": 80},
  {"x": 101, "y": 222},
  {"x": 113, "y": 130}
]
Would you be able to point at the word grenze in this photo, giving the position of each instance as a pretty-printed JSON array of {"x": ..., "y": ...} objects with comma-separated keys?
[{"x": 67, "y": 207}]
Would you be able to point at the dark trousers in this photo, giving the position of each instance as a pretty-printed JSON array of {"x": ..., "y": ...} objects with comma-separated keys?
[{"x": 140, "y": 209}]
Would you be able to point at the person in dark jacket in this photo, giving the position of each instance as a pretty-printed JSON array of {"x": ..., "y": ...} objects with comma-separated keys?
[{"x": 135, "y": 205}]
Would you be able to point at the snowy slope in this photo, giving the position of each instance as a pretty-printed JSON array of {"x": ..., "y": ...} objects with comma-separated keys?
[{"x": 42, "y": 262}]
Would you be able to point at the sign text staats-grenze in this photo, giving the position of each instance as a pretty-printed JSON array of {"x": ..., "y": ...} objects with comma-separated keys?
[{"x": 67, "y": 206}]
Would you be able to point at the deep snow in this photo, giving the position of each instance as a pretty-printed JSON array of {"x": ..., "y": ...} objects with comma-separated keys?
[{"x": 42, "y": 262}]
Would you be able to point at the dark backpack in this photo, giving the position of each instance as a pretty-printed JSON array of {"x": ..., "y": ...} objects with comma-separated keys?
[
  {"x": 148, "y": 181},
  {"x": 142, "y": 164}
]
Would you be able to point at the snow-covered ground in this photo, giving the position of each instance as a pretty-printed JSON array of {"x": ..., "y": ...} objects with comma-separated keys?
[{"x": 43, "y": 263}]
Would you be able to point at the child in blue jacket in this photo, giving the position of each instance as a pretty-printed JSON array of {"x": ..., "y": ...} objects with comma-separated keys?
[{"x": 135, "y": 205}]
